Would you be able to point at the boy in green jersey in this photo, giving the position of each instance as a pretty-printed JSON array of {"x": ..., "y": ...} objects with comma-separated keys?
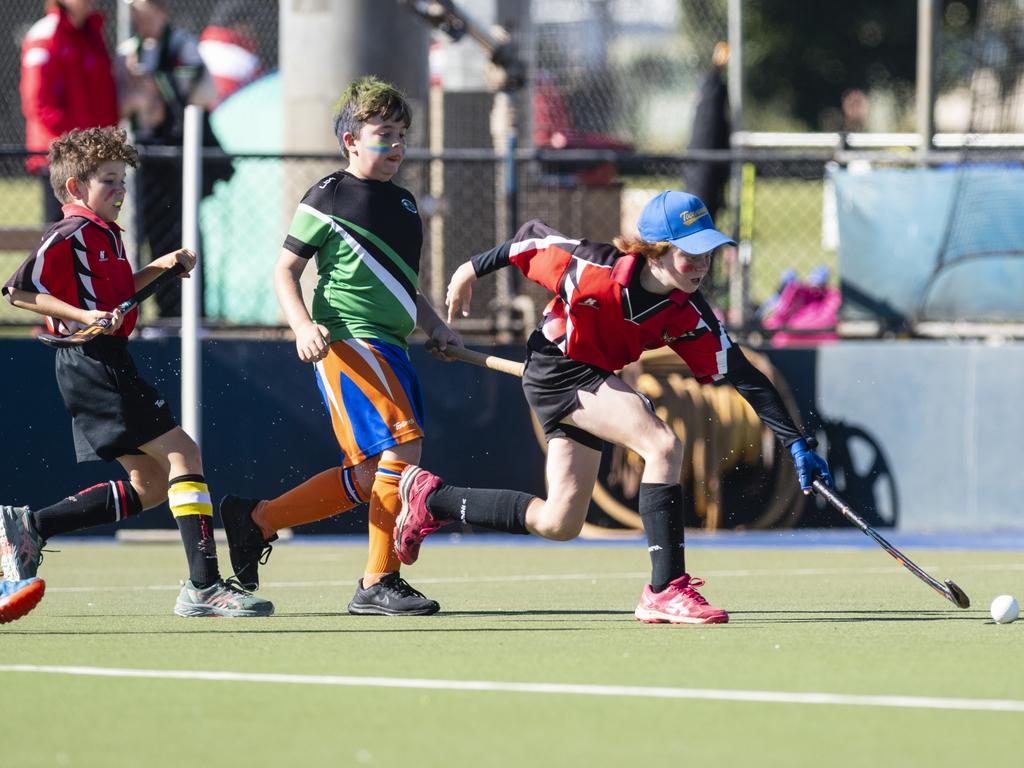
[{"x": 366, "y": 234}]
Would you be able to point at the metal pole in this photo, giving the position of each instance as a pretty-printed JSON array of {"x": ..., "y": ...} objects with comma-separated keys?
[
  {"x": 927, "y": 30},
  {"x": 191, "y": 288},
  {"x": 739, "y": 278},
  {"x": 505, "y": 137}
]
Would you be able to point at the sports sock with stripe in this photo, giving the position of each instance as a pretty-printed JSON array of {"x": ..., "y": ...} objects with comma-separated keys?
[
  {"x": 385, "y": 504},
  {"x": 328, "y": 493},
  {"x": 189, "y": 499},
  {"x": 661, "y": 510},
  {"x": 498, "y": 510},
  {"x": 108, "y": 502}
]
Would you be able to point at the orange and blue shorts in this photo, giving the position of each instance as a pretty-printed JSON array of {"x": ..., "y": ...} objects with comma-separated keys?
[{"x": 372, "y": 395}]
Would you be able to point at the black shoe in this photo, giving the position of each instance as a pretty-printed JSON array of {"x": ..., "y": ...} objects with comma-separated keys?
[
  {"x": 391, "y": 596},
  {"x": 248, "y": 549}
]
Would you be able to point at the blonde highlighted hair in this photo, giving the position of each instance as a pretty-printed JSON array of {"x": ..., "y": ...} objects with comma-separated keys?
[{"x": 366, "y": 98}]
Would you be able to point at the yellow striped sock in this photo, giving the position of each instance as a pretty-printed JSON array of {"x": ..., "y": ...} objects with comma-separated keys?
[{"x": 189, "y": 497}]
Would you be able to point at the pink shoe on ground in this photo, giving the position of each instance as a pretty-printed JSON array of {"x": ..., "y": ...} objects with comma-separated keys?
[
  {"x": 678, "y": 603},
  {"x": 415, "y": 522}
]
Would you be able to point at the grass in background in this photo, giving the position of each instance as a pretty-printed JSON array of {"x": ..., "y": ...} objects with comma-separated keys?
[
  {"x": 21, "y": 206},
  {"x": 833, "y": 621}
]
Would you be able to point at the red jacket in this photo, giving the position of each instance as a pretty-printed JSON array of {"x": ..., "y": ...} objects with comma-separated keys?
[
  {"x": 66, "y": 80},
  {"x": 81, "y": 261}
]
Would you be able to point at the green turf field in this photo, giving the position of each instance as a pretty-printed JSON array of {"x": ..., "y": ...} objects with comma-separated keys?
[{"x": 842, "y": 623}]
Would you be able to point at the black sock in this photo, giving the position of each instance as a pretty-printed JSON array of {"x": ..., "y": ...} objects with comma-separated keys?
[
  {"x": 661, "y": 509},
  {"x": 102, "y": 503},
  {"x": 189, "y": 499},
  {"x": 487, "y": 507}
]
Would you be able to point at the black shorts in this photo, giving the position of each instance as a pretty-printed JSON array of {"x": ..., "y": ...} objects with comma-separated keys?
[
  {"x": 113, "y": 411},
  {"x": 551, "y": 382}
]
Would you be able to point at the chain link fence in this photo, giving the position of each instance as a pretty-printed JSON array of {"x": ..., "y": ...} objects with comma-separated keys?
[
  {"x": 628, "y": 71},
  {"x": 624, "y": 78}
]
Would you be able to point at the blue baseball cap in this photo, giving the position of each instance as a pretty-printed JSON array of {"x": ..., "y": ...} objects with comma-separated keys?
[{"x": 683, "y": 220}]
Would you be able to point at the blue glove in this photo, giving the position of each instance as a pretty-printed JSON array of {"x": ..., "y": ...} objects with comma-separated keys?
[{"x": 809, "y": 465}]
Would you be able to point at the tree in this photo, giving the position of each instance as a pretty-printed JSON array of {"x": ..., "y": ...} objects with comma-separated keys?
[{"x": 801, "y": 56}]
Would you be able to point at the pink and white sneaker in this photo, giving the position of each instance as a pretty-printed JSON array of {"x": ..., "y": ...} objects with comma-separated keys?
[
  {"x": 678, "y": 603},
  {"x": 415, "y": 522}
]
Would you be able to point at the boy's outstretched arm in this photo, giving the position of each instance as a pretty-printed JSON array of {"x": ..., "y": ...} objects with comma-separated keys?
[
  {"x": 440, "y": 335},
  {"x": 46, "y": 304},
  {"x": 311, "y": 340}
]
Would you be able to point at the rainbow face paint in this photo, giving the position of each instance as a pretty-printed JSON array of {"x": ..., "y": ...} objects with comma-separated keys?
[{"x": 384, "y": 148}]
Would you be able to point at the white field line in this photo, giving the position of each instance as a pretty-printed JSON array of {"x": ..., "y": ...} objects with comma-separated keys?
[
  {"x": 550, "y": 577},
  {"x": 568, "y": 689}
]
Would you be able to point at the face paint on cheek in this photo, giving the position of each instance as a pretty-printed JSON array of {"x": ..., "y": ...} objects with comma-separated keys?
[{"x": 381, "y": 148}]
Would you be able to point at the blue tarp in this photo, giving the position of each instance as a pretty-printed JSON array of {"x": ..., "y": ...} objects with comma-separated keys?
[{"x": 931, "y": 243}]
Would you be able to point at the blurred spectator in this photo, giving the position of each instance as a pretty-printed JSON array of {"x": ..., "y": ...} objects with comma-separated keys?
[
  {"x": 855, "y": 111},
  {"x": 228, "y": 47},
  {"x": 851, "y": 116},
  {"x": 710, "y": 130},
  {"x": 66, "y": 82},
  {"x": 554, "y": 127},
  {"x": 161, "y": 72}
]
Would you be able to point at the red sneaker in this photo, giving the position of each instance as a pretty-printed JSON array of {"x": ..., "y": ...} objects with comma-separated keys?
[
  {"x": 415, "y": 521},
  {"x": 17, "y": 598},
  {"x": 678, "y": 603}
]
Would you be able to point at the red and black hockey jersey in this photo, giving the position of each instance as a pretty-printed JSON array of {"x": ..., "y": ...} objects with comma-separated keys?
[
  {"x": 81, "y": 261},
  {"x": 592, "y": 317},
  {"x": 600, "y": 315}
]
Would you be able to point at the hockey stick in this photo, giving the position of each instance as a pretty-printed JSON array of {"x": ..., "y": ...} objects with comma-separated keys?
[
  {"x": 485, "y": 361},
  {"x": 948, "y": 590},
  {"x": 91, "y": 331}
]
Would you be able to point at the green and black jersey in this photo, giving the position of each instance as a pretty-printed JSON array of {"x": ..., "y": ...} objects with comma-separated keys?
[{"x": 366, "y": 237}]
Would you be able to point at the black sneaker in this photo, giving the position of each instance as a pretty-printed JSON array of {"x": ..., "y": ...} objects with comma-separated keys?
[
  {"x": 248, "y": 549},
  {"x": 391, "y": 596}
]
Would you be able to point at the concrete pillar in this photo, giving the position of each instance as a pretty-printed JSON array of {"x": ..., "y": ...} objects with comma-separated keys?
[{"x": 325, "y": 44}]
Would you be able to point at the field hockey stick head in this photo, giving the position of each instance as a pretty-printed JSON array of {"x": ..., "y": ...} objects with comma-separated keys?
[
  {"x": 958, "y": 596},
  {"x": 76, "y": 339}
]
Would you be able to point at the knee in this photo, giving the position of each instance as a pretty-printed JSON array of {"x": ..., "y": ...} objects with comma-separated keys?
[
  {"x": 558, "y": 522},
  {"x": 663, "y": 445}
]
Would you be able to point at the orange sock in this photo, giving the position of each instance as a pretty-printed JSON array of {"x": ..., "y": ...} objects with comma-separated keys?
[
  {"x": 329, "y": 493},
  {"x": 385, "y": 504}
]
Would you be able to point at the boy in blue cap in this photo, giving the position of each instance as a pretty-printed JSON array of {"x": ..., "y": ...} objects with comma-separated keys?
[{"x": 612, "y": 302}]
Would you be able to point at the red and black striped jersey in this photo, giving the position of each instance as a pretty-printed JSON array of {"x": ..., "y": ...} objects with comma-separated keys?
[
  {"x": 81, "y": 261},
  {"x": 597, "y": 317},
  {"x": 602, "y": 316}
]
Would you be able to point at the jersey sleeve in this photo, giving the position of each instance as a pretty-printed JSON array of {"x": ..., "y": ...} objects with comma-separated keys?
[
  {"x": 757, "y": 390},
  {"x": 541, "y": 253},
  {"x": 310, "y": 227},
  {"x": 492, "y": 260},
  {"x": 49, "y": 269}
]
